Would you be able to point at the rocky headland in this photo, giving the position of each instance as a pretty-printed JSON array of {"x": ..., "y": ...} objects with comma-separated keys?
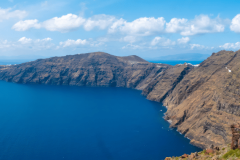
[{"x": 202, "y": 101}]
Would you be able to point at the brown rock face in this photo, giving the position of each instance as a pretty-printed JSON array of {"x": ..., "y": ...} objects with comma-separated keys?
[
  {"x": 164, "y": 83},
  {"x": 96, "y": 69},
  {"x": 208, "y": 151},
  {"x": 92, "y": 69},
  {"x": 192, "y": 156},
  {"x": 206, "y": 101},
  {"x": 184, "y": 156},
  {"x": 235, "y": 136}
]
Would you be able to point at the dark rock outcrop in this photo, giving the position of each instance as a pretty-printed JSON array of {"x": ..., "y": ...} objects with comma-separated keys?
[{"x": 235, "y": 136}]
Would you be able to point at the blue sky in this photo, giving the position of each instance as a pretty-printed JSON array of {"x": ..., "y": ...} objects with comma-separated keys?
[{"x": 150, "y": 29}]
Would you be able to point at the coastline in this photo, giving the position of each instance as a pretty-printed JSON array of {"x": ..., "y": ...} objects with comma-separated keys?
[{"x": 188, "y": 92}]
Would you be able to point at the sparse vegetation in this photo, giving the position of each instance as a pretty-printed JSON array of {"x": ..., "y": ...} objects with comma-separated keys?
[
  {"x": 225, "y": 153},
  {"x": 232, "y": 153}
]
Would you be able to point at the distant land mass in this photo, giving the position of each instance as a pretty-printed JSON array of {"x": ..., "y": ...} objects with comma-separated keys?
[
  {"x": 183, "y": 57},
  {"x": 202, "y": 101}
]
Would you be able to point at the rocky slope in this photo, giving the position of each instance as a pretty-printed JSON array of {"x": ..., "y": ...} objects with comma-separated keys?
[
  {"x": 202, "y": 101},
  {"x": 92, "y": 69},
  {"x": 207, "y": 100}
]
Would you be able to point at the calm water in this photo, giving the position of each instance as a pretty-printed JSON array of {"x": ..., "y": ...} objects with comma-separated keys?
[
  {"x": 41, "y": 122},
  {"x": 177, "y": 62}
]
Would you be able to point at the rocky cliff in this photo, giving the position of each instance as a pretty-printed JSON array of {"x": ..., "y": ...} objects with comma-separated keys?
[
  {"x": 206, "y": 102},
  {"x": 90, "y": 69},
  {"x": 202, "y": 101}
]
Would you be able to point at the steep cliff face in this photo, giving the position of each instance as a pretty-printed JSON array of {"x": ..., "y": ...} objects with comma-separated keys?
[
  {"x": 164, "y": 83},
  {"x": 207, "y": 100},
  {"x": 202, "y": 101},
  {"x": 90, "y": 69}
]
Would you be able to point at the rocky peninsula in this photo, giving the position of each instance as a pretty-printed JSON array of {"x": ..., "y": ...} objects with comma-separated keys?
[{"x": 202, "y": 101}]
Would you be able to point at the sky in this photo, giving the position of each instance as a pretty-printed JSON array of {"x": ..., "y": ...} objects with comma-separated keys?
[{"x": 149, "y": 29}]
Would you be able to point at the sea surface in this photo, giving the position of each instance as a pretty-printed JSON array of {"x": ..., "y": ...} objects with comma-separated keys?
[
  {"x": 43, "y": 122},
  {"x": 176, "y": 62}
]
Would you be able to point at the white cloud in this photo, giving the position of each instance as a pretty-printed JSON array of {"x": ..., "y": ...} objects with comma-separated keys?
[
  {"x": 25, "y": 25},
  {"x": 25, "y": 40},
  {"x": 144, "y": 26},
  {"x": 231, "y": 45},
  {"x": 176, "y": 25},
  {"x": 65, "y": 23},
  {"x": 203, "y": 24},
  {"x": 235, "y": 24},
  {"x": 42, "y": 44},
  {"x": 149, "y": 26},
  {"x": 197, "y": 46},
  {"x": 130, "y": 39},
  {"x": 82, "y": 42},
  {"x": 28, "y": 43},
  {"x": 155, "y": 41},
  {"x": 101, "y": 21},
  {"x": 47, "y": 39},
  {"x": 25, "y": 43},
  {"x": 200, "y": 25},
  {"x": 116, "y": 25},
  {"x": 183, "y": 40},
  {"x": 71, "y": 42},
  {"x": 139, "y": 27},
  {"x": 161, "y": 41},
  {"x": 44, "y": 40},
  {"x": 8, "y": 13},
  {"x": 34, "y": 44},
  {"x": 132, "y": 46},
  {"x": 5, "y": 44}
]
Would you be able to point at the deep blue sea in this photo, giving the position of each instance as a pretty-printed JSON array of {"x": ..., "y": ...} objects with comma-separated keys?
[{"x": 43, "y": 122}]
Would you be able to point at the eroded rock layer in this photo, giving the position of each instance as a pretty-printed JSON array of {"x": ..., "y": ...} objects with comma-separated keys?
[
  {"x": 92, "y": 69},
  {"x": 202, "y": 101},
  {"x": 207, "y": 100}
]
